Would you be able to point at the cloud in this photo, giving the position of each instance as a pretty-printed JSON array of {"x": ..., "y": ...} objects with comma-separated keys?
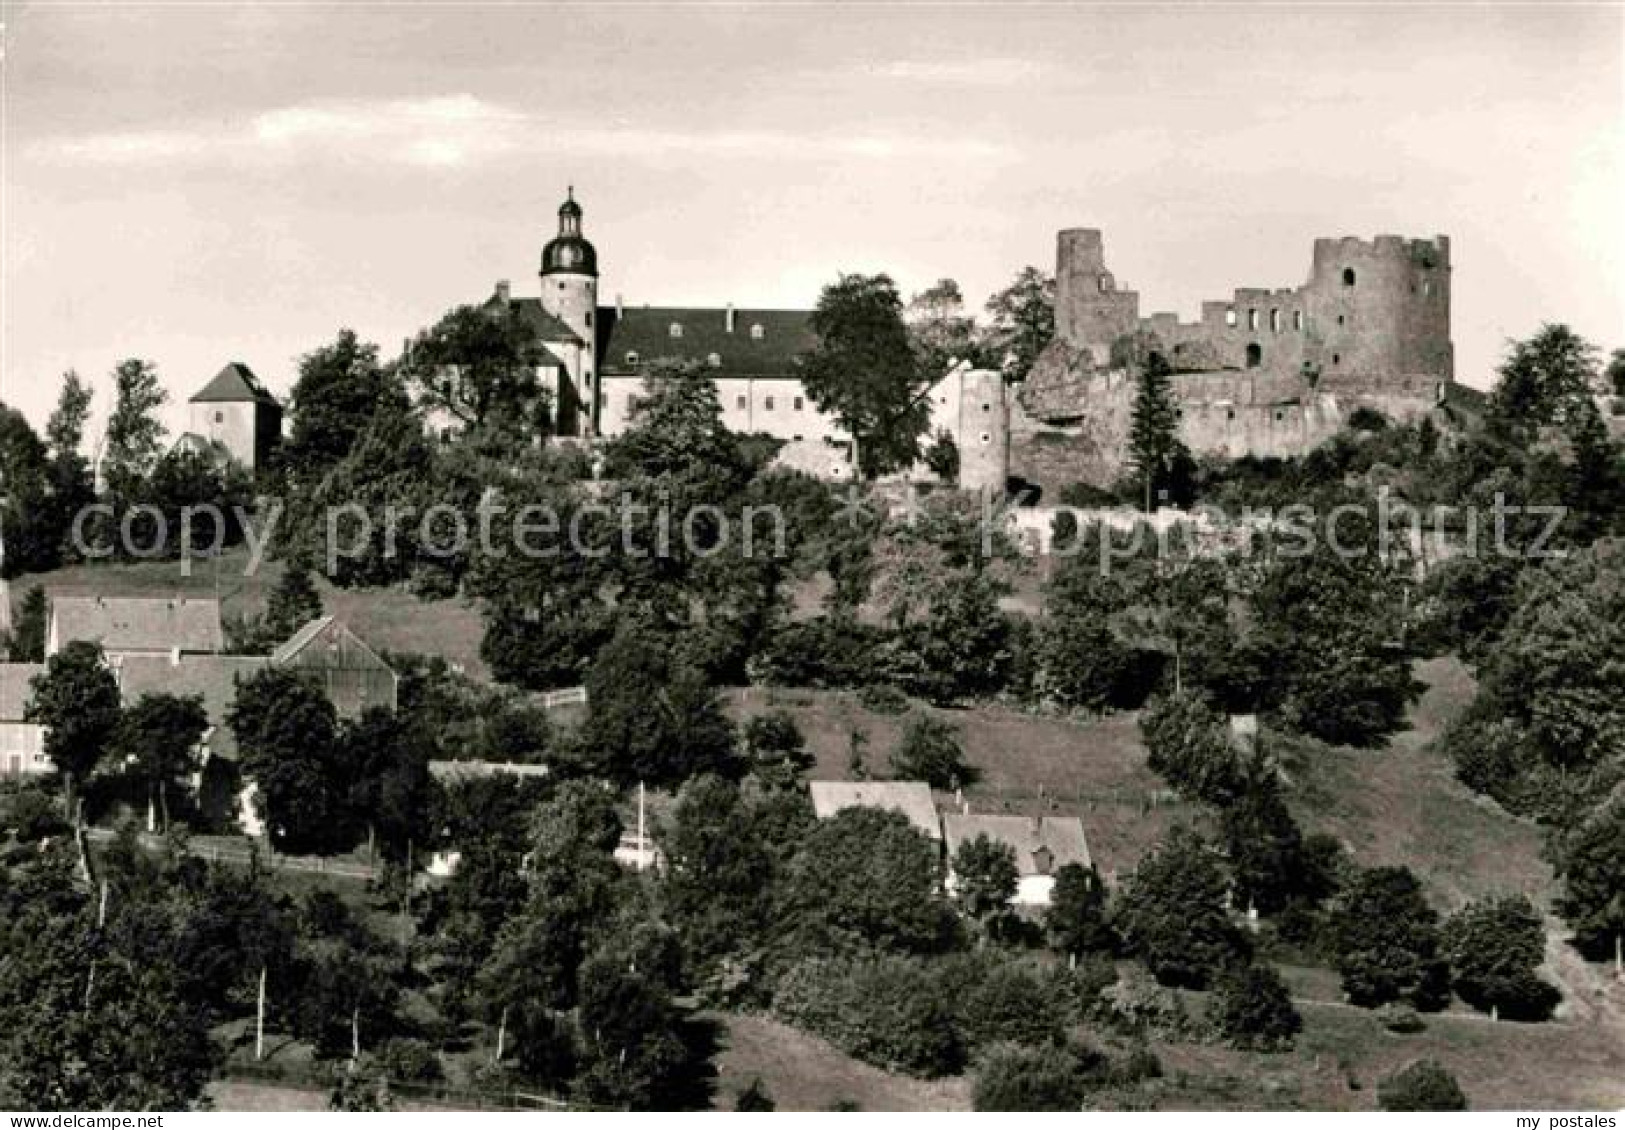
[
  {"x": 987, "y": 71},
  {"x": 462, "y": 130}
]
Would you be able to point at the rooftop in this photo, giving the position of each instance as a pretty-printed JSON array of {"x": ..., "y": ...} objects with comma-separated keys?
[
  {"x": 131, "y": 623},
  {"x": 1042, "y": 843},
  {"x": 762, "y": 343},
  {"x": 235, "y": 383},
  {"x": 911, "y": 798}
]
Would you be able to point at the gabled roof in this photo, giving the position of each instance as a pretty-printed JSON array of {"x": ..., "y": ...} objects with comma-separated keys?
[
  {"x": 334, "y": 629},
  {"x": 544, "y": 325},
  {"x": 128, "y": 623},
  {"x": 1030, "y": 837},
  {"x": 15, "y": 688},
  {"x": 646, "y": 332},
  {"x": 212, "y": 677},
  {"x": 451, "y": 772},
  {"x": 234, "y": 384},
  {"x": 911, "y": 798}
]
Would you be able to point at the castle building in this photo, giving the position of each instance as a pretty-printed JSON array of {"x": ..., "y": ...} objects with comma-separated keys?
[
  {"x": 1263, "y": 372},
  {"x": 233, "y": 417},
  {"x": 601, "y": 357}
]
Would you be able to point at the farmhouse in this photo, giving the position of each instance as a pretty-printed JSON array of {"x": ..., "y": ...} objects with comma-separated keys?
[
  {"x": 137, "y": 626},
  {"x": 911, "y": 798},
  {"x": 1042, "y": 846}
]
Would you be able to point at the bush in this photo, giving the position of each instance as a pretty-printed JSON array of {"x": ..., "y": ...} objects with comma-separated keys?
[
  {"x": 1011, "y": 1005},
  {"x": 410, "y": 1061},
  {"x": 1253, "y": 1010},
  {"x": 1401, "y": 1018},
  {"x": 1386, "y": 940},
  {"x": 1424, "y": 1085},
  {"x": 883, "y": 698},
  {"x": 755, "y": 1098},
  {"x": 929, "y": 751},
  {"x": 884, "y": 1011},
  {"x": 827, "y": 652},
  {"x": 1051, "y": 1078}
]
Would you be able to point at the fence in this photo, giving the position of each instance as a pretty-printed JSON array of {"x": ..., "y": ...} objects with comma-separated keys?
[
  {"x": 427, "y": 1094},
  {"x": 217, "y": 853}
]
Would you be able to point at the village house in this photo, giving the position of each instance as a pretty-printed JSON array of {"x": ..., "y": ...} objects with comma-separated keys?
[
  {"x": 911, "y": 798},
  {"x": 22, "y": 744},
  {"x": 136, "y": 626},
  {"x": 1042, "y": 846}
]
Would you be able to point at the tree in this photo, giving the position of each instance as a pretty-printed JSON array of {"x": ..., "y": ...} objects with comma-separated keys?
[
  {"x": 1011, "y": 1002},
  {"x": 292, "y": 604},
  {"x": 1385, "y": 939},
  {"x": 863, "y": 371},
  {"x": 478, "y": 364},
  {"x": 1614, "y": 377},
  {"x": 26, "y": 643},
  {"x": 77, "y": 701},
  {"x": 1494, "y": 946},
  {"x": 341, "y": 387},
  {"x": 387, "y": 762},
  {"x": 1592, "y": 865},
  {"x": 720, "y": 874},
  {"x": 31, "y": 531},
  {"x": 985, "y": 879},
  {"x": 1153, "y": 436},
  {"x": 73, "y": 485},
  {"x": 941, "y": 332},
  {"x": 1075, "y": 919},
  {"x": 866, "y": 879},
  {"x": 159, "y": 737},
  {"x": 1023, "y": 322},
  {"x": 777, "y": 749},
  {"x": 929, "y": 751},
  {"x": 942, "y": 457},
  {"x": 1173, "y": 915},
  {"x": 635, "y": 1056},
  {"x": 1545, "y": 379},
  {"x": 287, "y": 733},
  {"x": 134, "y": 432},
  {"x": 652, "y": 719},
  {"x": 1188, "y": 744},
  {"x": 1253, "y": 1010},
  {"x": 1265, "y": 845},
  {"x": 1422, "y": 1085}
]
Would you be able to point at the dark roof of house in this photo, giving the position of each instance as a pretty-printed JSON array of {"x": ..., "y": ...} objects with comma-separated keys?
[
  {"x": 547, "y": 327},
  {"x": 646, "y": 333},
  {"x": 16, "y": 688},
  {"x": 235, "y": 383},
  {"x": 1060, "y": 837},
  {"x": 139, "y": 623},
  {"x": 212, "y": 677}
]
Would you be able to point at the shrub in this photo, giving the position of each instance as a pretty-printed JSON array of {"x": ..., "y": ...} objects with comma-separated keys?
[
  {"x": 1051, "y": 1078},
  {"x": 1253, "y": 1010},
  {"x": 1386, "y": 940},
  {"x": 755, "y": 1098},
  {"x": 883, "y": 698},
  {"x": 1495, "y": 946},
  {"x": 929, "y": 751},
  {"x": 1400, "y": 1018},
  {"x": 410, "y": 1061},
  {"x": 1424, "y": 1085},
  {"x": 884, "y": 1011},
  {"x": 1012, "y": 1004}
]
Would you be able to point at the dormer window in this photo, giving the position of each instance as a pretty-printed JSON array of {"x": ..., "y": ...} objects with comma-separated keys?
[
  {"x": 714, "y": 360},
  {"x": 631, "y": 357},
  {"x": 757, "y": 332},
  {"x": 676, "y": 329}
]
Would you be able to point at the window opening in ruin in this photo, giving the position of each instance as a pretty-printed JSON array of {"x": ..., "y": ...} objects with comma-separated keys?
[
  {"x": 1255, "y": 355},
  {"x": 1252, "y": 319},
  {"x": 1230, "y": 316},
  {"x": 1337, "y": 358},
  {"x": 1275, "y": 321},
  {"x": 1297, "y": 319},
  {"x": 1348, "y": 276}
]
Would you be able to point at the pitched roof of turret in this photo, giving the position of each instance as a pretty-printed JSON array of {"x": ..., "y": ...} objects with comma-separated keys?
[{"x": 236, "y": 383}]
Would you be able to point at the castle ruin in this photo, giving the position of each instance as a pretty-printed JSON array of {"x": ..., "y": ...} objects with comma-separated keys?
[{"x": 1265, "y": 372}]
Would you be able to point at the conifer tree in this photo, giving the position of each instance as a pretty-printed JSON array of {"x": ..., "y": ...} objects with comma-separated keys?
[{"x": 1153, "y": 436}]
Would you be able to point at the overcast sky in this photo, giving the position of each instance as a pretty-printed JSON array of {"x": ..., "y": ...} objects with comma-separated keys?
[{"x": 204, "y": 183}]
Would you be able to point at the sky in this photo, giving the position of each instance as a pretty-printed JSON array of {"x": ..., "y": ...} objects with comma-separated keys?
[{"x": 197, "y": 183}]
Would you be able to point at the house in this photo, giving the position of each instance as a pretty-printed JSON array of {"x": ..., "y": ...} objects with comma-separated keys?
[
  {"x": 214, "y": 679},
  {"x": 1042, "y": 846},
  {"x": 137, "y": 626},
  {"x": 22, "y": 744},
  {"x": 235, "y": 417},
  {"x": 911, "y": 798},
  {"x": 355, "y": 677}
]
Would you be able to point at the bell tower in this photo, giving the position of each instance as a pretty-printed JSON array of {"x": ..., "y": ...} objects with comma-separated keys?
[{"x": 570, "y": 293}]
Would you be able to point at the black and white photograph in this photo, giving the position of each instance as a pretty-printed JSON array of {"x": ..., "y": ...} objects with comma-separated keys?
[{"x": 633, "y": 557}]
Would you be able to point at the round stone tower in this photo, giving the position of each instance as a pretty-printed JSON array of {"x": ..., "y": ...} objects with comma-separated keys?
[
  {"x": 984, "y": 431},
  {"x": 570, "y": 294}
]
